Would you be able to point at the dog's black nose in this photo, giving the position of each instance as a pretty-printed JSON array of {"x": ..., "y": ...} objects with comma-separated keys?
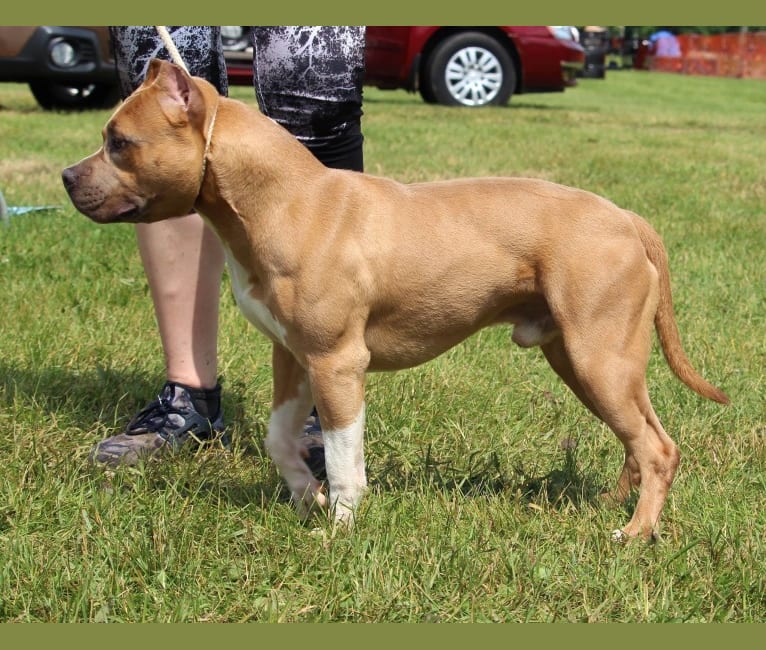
[{"x": 69, "y": 177}]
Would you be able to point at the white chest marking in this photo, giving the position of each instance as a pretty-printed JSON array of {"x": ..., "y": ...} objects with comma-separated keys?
[{"x": 254, "y": 310}]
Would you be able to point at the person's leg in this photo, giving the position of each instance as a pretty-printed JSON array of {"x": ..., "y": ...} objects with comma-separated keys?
[
  {"x": 309, "y": 79},
  {"x": 183, "y": 261}
]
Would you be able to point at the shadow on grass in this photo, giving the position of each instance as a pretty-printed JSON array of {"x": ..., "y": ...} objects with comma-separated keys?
[
  {"x": 479, "y": 476},
  {"x": 107, "y": 398},
  {"x": 482, "y": 475},
  {"x": 91, "y": 398},
  {"x": 559, "y": 486},
  {"x": 82, "y": 396},
  {"x": 103, "y": 399}
]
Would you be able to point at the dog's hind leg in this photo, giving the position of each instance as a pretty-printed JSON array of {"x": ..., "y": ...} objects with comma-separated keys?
[
  {"x": 556, "y": 354},
  {"x": 615, "y": 383},
  {"x": 617, "y": 387},
  {"x": 292, "y": 402},
  {"x": 606, "y": 319}
]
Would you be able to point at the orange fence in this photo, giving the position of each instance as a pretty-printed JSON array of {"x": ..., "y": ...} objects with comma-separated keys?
[{"x": 723, "y": 55}]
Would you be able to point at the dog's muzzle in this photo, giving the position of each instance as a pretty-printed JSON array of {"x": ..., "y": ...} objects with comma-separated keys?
[{"x": 97, "y": 202}]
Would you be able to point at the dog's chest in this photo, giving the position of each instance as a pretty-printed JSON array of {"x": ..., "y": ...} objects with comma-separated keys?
[{"x": 253, "y": 309}]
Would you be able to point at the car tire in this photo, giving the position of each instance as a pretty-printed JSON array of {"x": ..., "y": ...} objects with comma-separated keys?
[
  {"x": 62, "y": 97},
  {"x": 426, "y": 93},
  {"x": 470, "y": 69}
]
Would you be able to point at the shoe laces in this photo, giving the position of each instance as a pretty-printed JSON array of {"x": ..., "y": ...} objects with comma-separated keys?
[{"x": 166, "y": 409}]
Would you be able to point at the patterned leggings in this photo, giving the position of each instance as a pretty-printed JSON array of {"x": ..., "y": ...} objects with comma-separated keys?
[{"x": 309, "y": 79}]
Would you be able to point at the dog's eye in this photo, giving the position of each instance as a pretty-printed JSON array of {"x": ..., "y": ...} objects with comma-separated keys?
[{"x": 117, "y": 143}]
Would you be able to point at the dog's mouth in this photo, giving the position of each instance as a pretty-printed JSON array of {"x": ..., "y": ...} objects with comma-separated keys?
[
  {"x": 104, "y": 213},
  {"x": 129, "y": 214},
  {"x": 103, "y": 208}
]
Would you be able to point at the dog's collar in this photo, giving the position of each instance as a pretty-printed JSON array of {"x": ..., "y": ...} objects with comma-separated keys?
[{"x": 208, "y": 140}]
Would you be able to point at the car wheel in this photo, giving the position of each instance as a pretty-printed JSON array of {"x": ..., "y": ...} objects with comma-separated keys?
[
  {"x": 470, "y": 69},
  {"x": 61, "y": 97},
  {"x": 426, "y": 93}
]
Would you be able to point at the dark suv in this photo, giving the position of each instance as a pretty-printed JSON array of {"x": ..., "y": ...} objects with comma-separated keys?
[{"x": 67, "y": 68}]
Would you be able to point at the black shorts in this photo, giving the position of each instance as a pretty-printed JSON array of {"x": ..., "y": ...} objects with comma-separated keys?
[
  {"x": 199, "y": 47},
  {"x": 309, "y": 79}
]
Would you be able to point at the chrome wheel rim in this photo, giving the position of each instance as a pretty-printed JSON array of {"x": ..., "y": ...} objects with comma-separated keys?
[{"x": 473, "y": 76}]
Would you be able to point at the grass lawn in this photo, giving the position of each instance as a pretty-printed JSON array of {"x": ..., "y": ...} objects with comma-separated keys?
[{"x": 484, "y": 472}]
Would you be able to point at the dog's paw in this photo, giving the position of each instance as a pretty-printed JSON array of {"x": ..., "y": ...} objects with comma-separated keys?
[
  {"x": 309, "y": 501},
  {"x": 621, "y": 536},
  {"x": 343, "y": 516}
]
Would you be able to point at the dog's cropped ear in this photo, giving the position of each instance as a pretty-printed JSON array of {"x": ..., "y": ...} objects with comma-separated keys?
[
  {"x": 174, "y": 81},
  {"x": 178, "y": 90},
  {"x": 153, "y": 71}
]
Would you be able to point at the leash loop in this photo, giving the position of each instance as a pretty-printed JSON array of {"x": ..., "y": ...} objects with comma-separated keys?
[
  {"x": 175, "y": 57},
  {"x": 208, "y": 140}
]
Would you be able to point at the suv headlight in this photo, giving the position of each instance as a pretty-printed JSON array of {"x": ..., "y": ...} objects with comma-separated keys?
[
  {"x": 234, "y": 38},
  {"x": 63, "y": 53},
  {"x": 232, "y": 32}
]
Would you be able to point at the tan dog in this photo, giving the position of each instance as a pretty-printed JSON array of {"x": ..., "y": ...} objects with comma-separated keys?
[{"x": 348, "y": 273}]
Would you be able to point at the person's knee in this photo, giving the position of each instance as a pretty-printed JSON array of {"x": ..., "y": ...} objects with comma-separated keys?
[{"x": 342, "y": 151}]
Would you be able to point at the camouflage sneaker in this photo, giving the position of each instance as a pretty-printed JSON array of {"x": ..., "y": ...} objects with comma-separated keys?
[
  {"x": 313, "y": 446},
  {"x": 165, "y": 426}
]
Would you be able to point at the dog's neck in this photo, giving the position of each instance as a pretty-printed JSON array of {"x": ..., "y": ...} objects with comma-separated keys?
[
  {"x": 259, "y": 154},
  {"x": 254, "y": 156}
]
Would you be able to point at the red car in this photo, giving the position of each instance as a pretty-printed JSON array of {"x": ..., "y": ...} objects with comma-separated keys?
[{"x": 468, "y": 66}]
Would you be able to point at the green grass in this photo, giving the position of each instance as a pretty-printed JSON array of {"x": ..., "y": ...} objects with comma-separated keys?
[{"x": 481, "y": 508}]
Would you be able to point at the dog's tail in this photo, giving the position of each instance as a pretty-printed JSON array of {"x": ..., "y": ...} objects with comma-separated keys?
[{"x": 665, "y": 320}]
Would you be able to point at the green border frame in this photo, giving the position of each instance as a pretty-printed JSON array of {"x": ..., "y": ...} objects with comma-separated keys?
[
  {"x": 396, "y": 12},
  {"x": 356, "y": 636},
  {"x": 337, "y": 636}
]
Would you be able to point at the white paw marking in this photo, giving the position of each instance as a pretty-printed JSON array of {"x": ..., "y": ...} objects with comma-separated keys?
[{"x": 619, "y": 536}]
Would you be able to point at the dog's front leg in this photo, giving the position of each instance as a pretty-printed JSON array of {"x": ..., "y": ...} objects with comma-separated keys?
[
  {"x": 337, "y": 382},
  {"x": 291, "y": 405}
]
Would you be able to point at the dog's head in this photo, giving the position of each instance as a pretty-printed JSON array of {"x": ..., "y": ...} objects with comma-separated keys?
[{"x": 149, "y": 165}]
